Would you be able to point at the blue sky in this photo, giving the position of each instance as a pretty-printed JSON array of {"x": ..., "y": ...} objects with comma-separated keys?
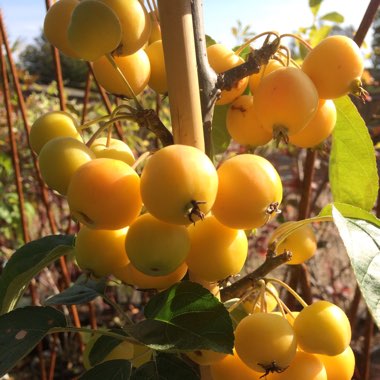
[{"x": 24, "y": 18}]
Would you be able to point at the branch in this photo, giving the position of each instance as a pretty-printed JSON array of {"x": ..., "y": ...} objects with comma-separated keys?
[
  {"x": 256, "y": 58},
  {"x": 212, "y": 84},
  {"x": 148, "y": 118},
  {"x": 238, "y": 288},
  {"x": 207, "y": 77}
]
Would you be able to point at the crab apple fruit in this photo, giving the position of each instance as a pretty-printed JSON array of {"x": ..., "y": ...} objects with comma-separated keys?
[
  {"x": 264, "y": 339},
  {"x": 156, "y": 248},
  {"x": 243, "y": 124},
  {"x": 249, "y": 192},
  {"x": 135, "y": 25},
  {"x": 212, "y": 242},
  {"x": 319, "y": 128},
  {"x": 205, "y": 357},
  {"x": 302, "y": 243},
  {"x": 222, "y": 59},
  {"x": 105, "y": 194},
  {"x": 94, "y": 30},
  {"x": 56, "y": 23},
  {"x": 322, "y": 316},
  {"x": 113, "y": 148},
  {"x": 50, "y": 125},
  {"x": 304, "y": 366},
  {"x": 130, "y": 275},
  {"x": 335, "y": 66},
  {"x": 60, "y": 158},
  {"x": 285, "y": 101},
  {"x": 157, "y": 80},
  {"x": 178, "y": 184},
  {"x": 155, "y": 32},
  {"x": 232, "y": 367},
  {"x": 255, "y": 79},
  {"x": 100, "y": 251},
  {"x": 339, "y": 367},
  {"x": 135, "y": 68}
]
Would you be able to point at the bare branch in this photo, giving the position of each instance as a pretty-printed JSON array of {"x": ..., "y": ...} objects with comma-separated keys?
[{"x": 238, "y": 288}]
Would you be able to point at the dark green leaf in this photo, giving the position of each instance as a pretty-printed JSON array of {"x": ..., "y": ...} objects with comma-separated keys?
[
  {"x": 185, "y": 317},
  {"x": 353, "y": 172},
  {"x": 83, "y": 291},
  {"x": 26, "y": 262},
  {"x": 103, "y": 346},
  {"x": 362, "y": 242},
  {"x": 165, "y": 367},
  {"x": 22, "y": 329},
  {"x": 349, "y": 211},
  {"x": 118, "y": 369},
  {"x": 220, "y": 137},
  {"x": 332, "y": 16}
]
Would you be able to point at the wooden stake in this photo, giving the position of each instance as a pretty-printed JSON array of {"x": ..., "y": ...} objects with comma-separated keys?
[{"x": 181, "y": 69}]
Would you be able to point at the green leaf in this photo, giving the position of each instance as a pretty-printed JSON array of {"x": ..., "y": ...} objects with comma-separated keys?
[
  {"x": 349, "y": 211},
  {"x": 332, "y": 16},
  {"x": 103, "y": 346},
  {"x": 220, "y": 137},
  {"x": 314, "y": 6},
  {"x": 118, "y": 369},
  {"x": 362, "y": 242},
  {"x": 238, "y": 312},
  {"x": 210, "y": 41},
  {"x": 352, "y": 169},
  {"x": 317, "y": 35},
  {"x": 165, "y": 367},
  {"x": 22, "y": 329},
  {"x": 83, "y": 291},
  {"x": 185, "y": 317},
  {"x": 244, "y": 53},
  {"x": 26, "y": 262}
]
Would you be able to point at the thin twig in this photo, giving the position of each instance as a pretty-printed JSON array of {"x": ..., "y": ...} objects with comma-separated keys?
[{"x": 238, "y": 288}]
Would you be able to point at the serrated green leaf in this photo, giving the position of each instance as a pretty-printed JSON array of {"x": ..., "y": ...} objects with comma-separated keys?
[
  {"x": 26, "y": 262},
  {"x": 362, "y": 242},
  {"x": 83, "y": 291},
  {"x": 352, "y": 168},
  {"x": 220, "y": 137},
  {"x": 165, "y": 367},
  {"x": 118, "y": 369},
  {"x": 332, "y": 16},
  {"x": 349, "y": 211},
  {"x": 22, "y": 329},
  {"x": 185, "y": 317}
]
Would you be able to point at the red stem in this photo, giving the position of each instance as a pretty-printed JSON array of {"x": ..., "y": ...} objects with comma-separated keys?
[
  {"x": 86, "y": 97},
  {"x": 58, "y": 70},
  {"x": 13, "y": 146},
  {"x": 22, "y": 107}
]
